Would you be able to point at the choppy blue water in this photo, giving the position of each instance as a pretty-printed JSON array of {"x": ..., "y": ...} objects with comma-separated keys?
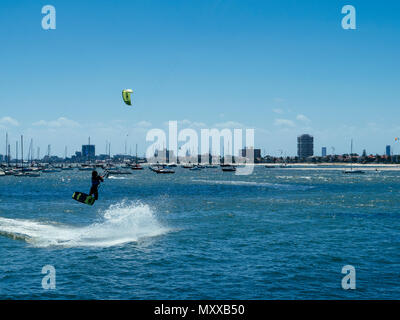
[{"x": 276, "y": 234}]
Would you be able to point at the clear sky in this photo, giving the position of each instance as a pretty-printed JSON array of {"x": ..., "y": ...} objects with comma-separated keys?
[{"x": 281, "y": 67}]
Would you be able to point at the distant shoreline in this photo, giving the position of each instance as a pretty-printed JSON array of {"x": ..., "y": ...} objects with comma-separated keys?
[
  {"x": 337, "y": 164},
  {"x": 334, "y": 166}
]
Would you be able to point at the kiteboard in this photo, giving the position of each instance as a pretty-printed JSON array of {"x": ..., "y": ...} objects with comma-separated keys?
[{"x": 84, "y": 198}]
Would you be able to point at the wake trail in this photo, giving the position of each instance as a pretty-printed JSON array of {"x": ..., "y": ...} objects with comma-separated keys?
[{"x": 278, "y": 186}]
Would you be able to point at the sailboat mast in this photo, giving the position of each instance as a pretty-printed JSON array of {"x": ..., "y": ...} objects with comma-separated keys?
[
  {"x": 351, "y": 155},
  {"x": 48, "y": 153},
  {"x": 31, "y": 151},
  {"x": 22, "y": 152},
  {"x": 7, "y": 146},
  {"x": 16, "y": 154},
  {"x": 8, "y": 157}
]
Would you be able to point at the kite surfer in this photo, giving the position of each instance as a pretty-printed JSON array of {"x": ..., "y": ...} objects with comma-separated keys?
[{"x": 96, "y": 179}]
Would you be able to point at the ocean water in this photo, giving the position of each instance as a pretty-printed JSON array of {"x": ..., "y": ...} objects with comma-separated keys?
[{"x": 276, "y": 234}]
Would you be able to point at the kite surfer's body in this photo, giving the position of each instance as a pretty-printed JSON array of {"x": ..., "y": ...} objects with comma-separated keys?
[
  {"x": 96, "y": 179},
  {"x": 93, "y": 195}
]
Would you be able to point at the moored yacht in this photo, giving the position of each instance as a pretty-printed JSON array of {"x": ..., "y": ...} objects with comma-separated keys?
[
  {"x": 118, "y": 172},
  {"x": 51, "y": 170},
  {"x": 351, "y": 171},
  {"x": 188, "y": 165},
  {"x": 136, "y": 166},
  {"x": 161, "y": 169},
  {"x": 228, "y": 168}
]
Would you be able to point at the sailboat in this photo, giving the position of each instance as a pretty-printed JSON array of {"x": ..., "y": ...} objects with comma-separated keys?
[
  {"x": 5, "y": 167},
  {"x": 136, "y": 166},
  {"x": 227, "y": 167},
  {"x": 351, "y": 171},
  {"x": 25, "y": 172},
  {"x": 49, "y": 167},
  {"x": 194, "y": 168},
  {"x": 161, "y": 169},
  {"x": 17, "y": 172}
]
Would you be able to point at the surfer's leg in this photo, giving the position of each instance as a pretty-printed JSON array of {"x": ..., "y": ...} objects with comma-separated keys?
[
  {"x": 96, "y": 194},
  {"x": 92, "y": 191}
]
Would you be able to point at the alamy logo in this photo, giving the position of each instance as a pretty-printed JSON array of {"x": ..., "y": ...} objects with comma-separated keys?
[
  {"x": 349, "y": 280},
  {"x": 349, "y": 20},
  {"x": 49, "y": 280},
  {"x": 49, "y": 20},
  {"x": 189, "y": 152}
]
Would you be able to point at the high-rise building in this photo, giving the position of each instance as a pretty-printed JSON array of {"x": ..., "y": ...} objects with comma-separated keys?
[
  {"x": 388, "y": 150},
  {"x": 364, "y": 154},
  {"x": 88, "y": 151},
  {"x": 256, "y": 153},
  {"x": 323, "y": 151},
  {"x": 305, "y": 146},
  {"x": 163, "y": 156}
]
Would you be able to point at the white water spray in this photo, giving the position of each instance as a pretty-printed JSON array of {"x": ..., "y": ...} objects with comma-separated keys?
[{"x": 121, "y": 223}]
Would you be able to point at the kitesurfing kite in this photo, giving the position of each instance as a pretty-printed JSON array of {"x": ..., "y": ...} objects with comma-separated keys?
[{"x": 126, "y": 95}]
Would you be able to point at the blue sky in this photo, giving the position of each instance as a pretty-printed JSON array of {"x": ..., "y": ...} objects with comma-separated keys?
[{"x": 281, "y": 67}]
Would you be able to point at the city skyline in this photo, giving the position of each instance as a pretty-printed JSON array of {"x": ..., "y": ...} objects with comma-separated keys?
[{"x": 305, "y": 149}]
